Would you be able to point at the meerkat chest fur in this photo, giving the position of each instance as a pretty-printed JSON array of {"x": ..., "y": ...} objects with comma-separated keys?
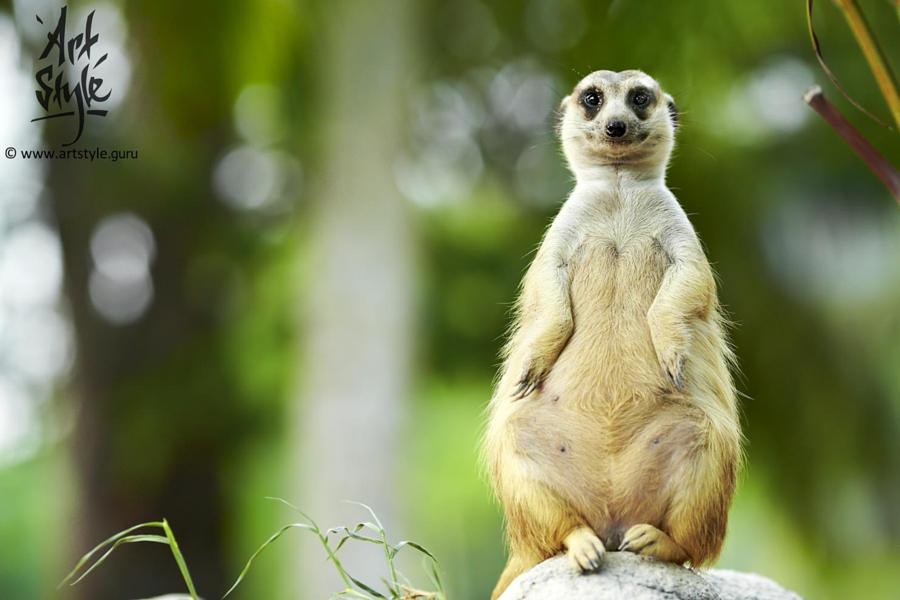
[
  {"x": 613, "y": 236},
  {"x": 614, "y": 419}
]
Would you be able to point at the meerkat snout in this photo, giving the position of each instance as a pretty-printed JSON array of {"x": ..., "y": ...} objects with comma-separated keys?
[{"x": 616, "y": 129}]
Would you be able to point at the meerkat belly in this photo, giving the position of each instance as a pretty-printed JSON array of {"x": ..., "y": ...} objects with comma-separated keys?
[
  {"x": 613, "y": 285},
  {"x": 604, "y": 428}
]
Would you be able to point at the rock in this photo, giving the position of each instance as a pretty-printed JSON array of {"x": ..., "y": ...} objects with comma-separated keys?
[
  {"x": 627, "y": 576},
  {"x": 734, "y": 585}
]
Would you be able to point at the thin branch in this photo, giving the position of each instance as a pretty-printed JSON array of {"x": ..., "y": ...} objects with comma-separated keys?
[
  {"x": 875, "y": 56},
  {"x": 817, "y": 48},
  {"x": 879, "y": 165}
]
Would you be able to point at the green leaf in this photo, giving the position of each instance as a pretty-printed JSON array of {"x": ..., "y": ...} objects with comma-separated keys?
[
  {"x": 305, "y": 516},
  {"x": 434, "y": 574},
  {"x": 99, "y": 547},
  {"x": 125, "y": 540},
  {"x": 366, "y": 588},
  {"x": 380, "y": 528},
  {"x": 355, "y": 535},
  {"x": 182, "y": 565},
  {"x": 350, "y": 592},
  {"x": 416, "y": 546},
  {"x": 274, "y": 537}
]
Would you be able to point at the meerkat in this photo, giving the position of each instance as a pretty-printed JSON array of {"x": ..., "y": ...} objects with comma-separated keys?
[{"x": 614, "y": 422}]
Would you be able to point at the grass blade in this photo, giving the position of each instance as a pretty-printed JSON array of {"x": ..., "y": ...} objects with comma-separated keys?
[
  {"x": 389, "y": 551},
  {"x": 102, "y": 545},
  {"x": 179, "y": 559},
  {"x": 274, "y": 537},
  {"x": 874, "y": 54},
  {"x": 380, "y": 528},
  {"x": 818, "y": 50},
  {"x": 366, "y": 588},
  {"x": 353, "y": 534},
  {"x": 125, "y": 540},
  {"x": 416, "y": 546},
  {"x": 347, "y": 592},
  {"x": 434, "y": 574},
  {"x": 305, "y": 516}
]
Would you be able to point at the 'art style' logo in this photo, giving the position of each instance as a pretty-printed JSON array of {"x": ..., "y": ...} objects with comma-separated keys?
[{"x": 70, "y": 57}]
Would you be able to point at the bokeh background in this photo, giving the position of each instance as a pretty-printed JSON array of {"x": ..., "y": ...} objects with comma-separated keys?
[{"x": 300, "y": 286}]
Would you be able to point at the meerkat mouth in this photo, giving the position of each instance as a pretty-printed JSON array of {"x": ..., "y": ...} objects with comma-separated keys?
[
  {"x": 628, "y": 147},
  {"x": 629, "y": 140}
]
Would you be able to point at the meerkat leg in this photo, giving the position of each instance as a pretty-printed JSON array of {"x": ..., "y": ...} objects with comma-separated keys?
[
  {"x": 552, "y": 327},
  {"x": 698, "y": 514},
  {"x": 541, "y": 524},
  {"x": 515, "y": 566},
  {"x": 702, "y": 483},
  {"x": 687, "y": 291},
  {"x": 584, "y": 549},
  {"x": 650, "y": 541}
]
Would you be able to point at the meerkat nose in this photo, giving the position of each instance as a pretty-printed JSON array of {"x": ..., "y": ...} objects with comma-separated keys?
[{"x": 616, "y": 129}]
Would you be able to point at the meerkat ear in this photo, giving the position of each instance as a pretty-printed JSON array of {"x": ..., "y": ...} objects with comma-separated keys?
[
  {"x": 560, "y": 114},
  {"x": 673, "y": 110}
]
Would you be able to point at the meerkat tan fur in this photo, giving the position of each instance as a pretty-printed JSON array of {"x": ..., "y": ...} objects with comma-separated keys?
[{"x": 614, "y": 423}]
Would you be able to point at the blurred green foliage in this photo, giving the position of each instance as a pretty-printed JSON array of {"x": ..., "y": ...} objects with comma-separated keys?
[{"x": 195, "y": 395}]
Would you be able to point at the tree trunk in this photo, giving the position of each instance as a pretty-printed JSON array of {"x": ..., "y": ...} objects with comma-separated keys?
[{"x": 359, "y": 293}]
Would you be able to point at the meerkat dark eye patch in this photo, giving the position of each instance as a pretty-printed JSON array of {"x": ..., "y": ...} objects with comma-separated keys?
[
  {"x": 642, "y": 100},
  {"x": 673, "y": 112},
  {"x": 591, "y": 100}
]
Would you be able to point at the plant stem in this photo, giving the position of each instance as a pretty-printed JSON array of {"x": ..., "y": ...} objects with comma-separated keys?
[
  {"x": 334, "y": 559},
  {"x": 879, "y": 165},
  {"x": 176, "y": 552},
  {"x": 881, "y": 69},
  {"x": 390, "y": 561}
]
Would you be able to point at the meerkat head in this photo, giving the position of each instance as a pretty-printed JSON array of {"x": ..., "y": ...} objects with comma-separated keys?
[{"x": 618, "y": 119}]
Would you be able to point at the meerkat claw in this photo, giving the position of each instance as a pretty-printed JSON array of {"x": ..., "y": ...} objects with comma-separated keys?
[
  {"x": 525, "y": 388},
  {"x": 640, "y": 538},
  {"x": 676, "y": 374},
  {"x": 529, "y": 382},
  {"x": 585, "y": 551}
]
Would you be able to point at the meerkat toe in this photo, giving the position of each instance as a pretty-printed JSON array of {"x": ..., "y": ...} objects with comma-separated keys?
[
  {"x": 647, "y": 540},
  {"x": 585, "y": 550},
  {"x": 640, "y": 539},
  {"x": 528, "y": 382},
  {"x": 674, "y": 366}
]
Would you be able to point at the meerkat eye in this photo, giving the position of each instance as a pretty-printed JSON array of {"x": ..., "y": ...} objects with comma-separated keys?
[
  {"x": 641, "y": 99},
  {"x": 592, "y": 98}
]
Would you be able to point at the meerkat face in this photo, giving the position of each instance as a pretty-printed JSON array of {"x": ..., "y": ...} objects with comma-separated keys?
[{"x": 617, "y": 119}]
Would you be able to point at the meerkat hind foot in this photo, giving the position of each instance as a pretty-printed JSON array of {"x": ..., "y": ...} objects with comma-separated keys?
[
  {"x": 647, "y": 540},
  {"x": 584, "y": 550}
]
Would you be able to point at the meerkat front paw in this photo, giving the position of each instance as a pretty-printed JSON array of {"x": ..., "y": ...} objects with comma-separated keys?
[
  {"x": 671, "y": 339},
  {"x": 640, "y": 538},
  {"x": 647, "y": 540},
  {"x": 673, "y": 363},
  {"x": 533, "y": 374},
  {"x": 584, "y": 550},
  {"x": 671, "y": 350}
]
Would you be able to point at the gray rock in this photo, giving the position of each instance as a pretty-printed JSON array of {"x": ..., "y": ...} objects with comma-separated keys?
[
  {"x": 734, "y": 585},
  {"x": 627, "y": 576}
]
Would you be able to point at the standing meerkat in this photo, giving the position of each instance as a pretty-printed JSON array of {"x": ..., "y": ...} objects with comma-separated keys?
[{"x": 614, "y": 423}]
